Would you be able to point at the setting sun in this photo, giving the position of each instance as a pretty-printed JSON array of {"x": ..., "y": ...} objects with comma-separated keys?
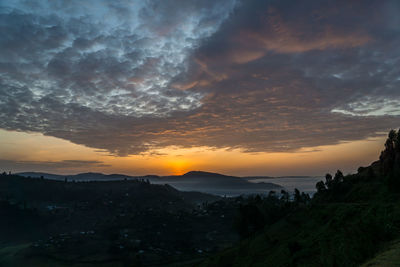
[{"x": 178, "y": 166}]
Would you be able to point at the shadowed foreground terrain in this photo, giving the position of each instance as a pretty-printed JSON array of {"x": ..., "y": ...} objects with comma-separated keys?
[
  {"x": 120, "y": 223},
  {"x": 352, "y": 220}
]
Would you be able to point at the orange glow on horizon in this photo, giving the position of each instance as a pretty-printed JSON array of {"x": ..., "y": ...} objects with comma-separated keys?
[
  {"x": 35, "y": 152},
  {"x": 177, "y": 166}
]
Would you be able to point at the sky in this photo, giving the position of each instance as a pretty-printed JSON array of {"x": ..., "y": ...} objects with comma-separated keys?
[{"x": 167, "y": 86}]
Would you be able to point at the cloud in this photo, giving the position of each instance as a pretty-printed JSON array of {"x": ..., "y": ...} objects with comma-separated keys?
[
  {"x": 255, "y": 75},
  {"x": 117, "y": 58},
  {"x": 49, "y": 165},
  {"x": 371, "y": 107},
  {"x": 282, "y": 37},
  {"x": 263, "y": 27}
]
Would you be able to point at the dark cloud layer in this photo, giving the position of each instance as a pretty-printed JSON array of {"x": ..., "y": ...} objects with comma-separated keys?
[
  {"x": 49, "y": 165},
  {"x": 256, "y": 75}
]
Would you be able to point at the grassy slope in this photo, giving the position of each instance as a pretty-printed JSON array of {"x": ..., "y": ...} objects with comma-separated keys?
[
  {"x": 344, "y": 229},
  {"x": 10, "y": 253},
  {"x": 388, "y": 257}
]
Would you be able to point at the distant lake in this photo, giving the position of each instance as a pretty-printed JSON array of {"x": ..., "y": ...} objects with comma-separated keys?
[{"x": 304, "y": 184}]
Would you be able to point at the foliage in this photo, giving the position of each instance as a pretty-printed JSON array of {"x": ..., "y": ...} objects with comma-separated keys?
[
  {"x": 256, "y": 212},
  {"x": 348, "y": 220}
]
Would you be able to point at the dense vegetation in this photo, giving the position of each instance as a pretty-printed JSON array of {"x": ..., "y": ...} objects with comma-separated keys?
[
  {"x": 349, "y": 220},
  {"x": 113, "y": 223}
]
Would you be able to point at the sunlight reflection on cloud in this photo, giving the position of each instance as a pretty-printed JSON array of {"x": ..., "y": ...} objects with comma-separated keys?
[{"x": 371, "y": 106}]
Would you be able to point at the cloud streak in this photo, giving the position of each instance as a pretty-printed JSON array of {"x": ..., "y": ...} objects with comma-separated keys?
[{"x": 49, "y": 165}]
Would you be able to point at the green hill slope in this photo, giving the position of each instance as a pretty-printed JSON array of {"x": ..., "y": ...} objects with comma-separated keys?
[
  {"x": 349, "y": 220},
  {"x": 387, "y": 258}
]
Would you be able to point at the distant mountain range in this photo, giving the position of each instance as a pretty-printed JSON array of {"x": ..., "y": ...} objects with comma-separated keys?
[
  {"x": 276, "y": 177},
  {"x": 200, "y": 181}
]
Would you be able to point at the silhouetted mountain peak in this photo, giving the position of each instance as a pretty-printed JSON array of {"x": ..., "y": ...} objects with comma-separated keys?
[
  {"x": 90, "y": 174},
  {"x": 202, "y": 174}
]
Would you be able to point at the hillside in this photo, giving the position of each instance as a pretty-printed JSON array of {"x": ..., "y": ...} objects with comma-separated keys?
[
  {"x": 109, "y": 223},
  {"x": 348, "y": 221},
  {"x": 88, "y": 176},
  {"x": 200, "y": 181},
  {"x": 388, "y": 257},
  {"x": 217, "y": 184}
]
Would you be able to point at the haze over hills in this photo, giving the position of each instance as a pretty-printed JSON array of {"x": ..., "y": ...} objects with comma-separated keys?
[
  {"x": 200, "y": 181},
  {"x": 86, "y": 176},
  {"x": 351, "y": 218},
  {"x": 274, "y": 177}
]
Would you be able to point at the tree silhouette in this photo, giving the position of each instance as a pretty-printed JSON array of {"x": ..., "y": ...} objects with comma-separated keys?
[
  {"x": 338, "y": 177},
  {"x": 388, "y": 156},
  {"x": 320, "y": 186},
  {"x": 250, "y": 220},
  {"x": 305, "y": 198},
  {"x": 328, "y": 180},
  {"x": 285, "y": 196},
  {"x": 297, "y": 196},
  {"x": 390, "y": 160}
]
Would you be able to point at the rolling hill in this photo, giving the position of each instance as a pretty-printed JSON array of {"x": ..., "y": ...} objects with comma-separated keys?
[{"x": 206, "y": 182}]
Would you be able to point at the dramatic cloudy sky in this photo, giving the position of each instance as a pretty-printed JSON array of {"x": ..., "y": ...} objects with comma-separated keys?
[{"x": 244, "y": 87}]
